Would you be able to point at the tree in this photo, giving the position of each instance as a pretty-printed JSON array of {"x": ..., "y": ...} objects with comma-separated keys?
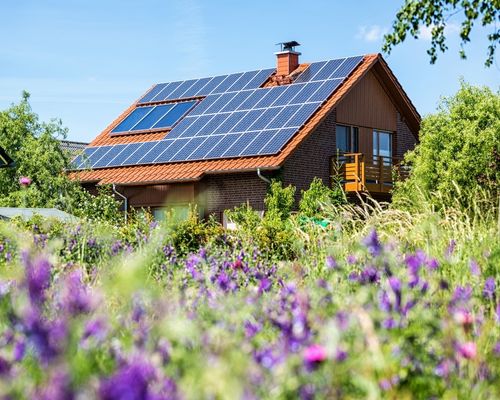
[
  {"x": 34, "y": 146},
  {"x": 459, "y": 153},
  {"x": 435, "y": 14}
]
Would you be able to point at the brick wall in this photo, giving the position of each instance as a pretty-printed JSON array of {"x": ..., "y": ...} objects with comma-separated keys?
[
  {"x": 226, "y": 191},
  {"x": 312, "y": 157},
  {"x": 405, "y": 140}
]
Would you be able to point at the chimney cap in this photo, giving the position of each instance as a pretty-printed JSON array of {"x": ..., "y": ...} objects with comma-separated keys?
[{"x": 288, "y": 46}]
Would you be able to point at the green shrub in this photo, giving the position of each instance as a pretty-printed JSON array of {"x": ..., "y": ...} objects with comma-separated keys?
[
  {"x": 459, "y": 153},
  {"x": 318, "y": 195}
]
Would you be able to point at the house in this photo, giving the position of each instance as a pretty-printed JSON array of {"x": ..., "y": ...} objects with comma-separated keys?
[
  {"x": 72, "y": 148},
  {"x": 217, "y": 141}
]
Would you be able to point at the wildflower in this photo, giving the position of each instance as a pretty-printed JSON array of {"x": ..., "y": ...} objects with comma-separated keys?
[
  {"x": 76, "y": 300},
  {"x": 463, "y": 317},
  {"x": 130, "y": 382},
  {"x": 330, "y": 262},
  {"x": 251, "y": 329},
  {"x": 369, "y": 275},
  {"x": 496, "y": 349},
  {"x": 384, "y": 302},
  {"x": 341, "y": 355},
  {"x": 489, "y": 288},
  {"x": 38, "y": 278},
  {"x": 467, "y": 350},
  {"x": 389, "y": 323},
  {"x": 24, "y": 181},
  {"x": 451, "y": 248},
  {"x": 315, "y": 354},
  {"x": 395, "y": 284},
  {"x": 474, "y": 268},
  {"x": 94, "y": 328},
  {"x": 19, "y": 350},
  {"x": 462, "y": 294},
  {"x": 264, "y": 285},
  {"x": 372, "y": 243},
  {"x": 432, "y": 264},
  {"x": 443, "y": 368},
  {"x": 342, "y": 319},
  {"x": 4, "y": 366}
]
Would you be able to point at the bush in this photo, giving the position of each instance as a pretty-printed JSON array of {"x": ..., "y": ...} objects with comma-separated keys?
[
  {"x": 318, "y": 195},
  {"x": 459, "y": 153}
]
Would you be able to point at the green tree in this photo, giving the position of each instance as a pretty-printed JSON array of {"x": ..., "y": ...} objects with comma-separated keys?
[
  {"x": 34, "y": 146},
  {"x": 459, "y": 153},
  {"x": 435, "y": 14}
]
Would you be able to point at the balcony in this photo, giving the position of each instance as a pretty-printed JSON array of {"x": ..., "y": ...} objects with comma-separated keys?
[{"x": 373, "y": 174}]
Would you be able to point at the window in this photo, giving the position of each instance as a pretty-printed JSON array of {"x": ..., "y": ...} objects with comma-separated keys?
[
  {"x": 347, "y": 139},
  {"x": 179, "y": 212},
  {"x": 382, "y": 147}
]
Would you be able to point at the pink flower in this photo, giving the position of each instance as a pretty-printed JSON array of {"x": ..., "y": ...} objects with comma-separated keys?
[
  {"x": 467, "y": 350},
  {"x": 24, "y": 181},
  {"x": 315, "y": 354},
  {"x": 463, "y": 317}
]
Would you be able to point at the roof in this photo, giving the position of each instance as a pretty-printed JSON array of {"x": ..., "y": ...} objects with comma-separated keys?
[
  {"x": 5, "y": 160},
  {"x": 195, "y": 170},
  {"x": 27, "y": 213},
  {"x": 72, "y": 147}
]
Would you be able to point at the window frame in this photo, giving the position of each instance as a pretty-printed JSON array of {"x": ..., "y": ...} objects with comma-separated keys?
[{"x": 353, "y": 133}]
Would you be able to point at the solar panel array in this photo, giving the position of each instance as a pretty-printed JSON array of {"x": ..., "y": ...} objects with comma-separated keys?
[
  {"x": 206, "y": 86},
  {"x": 235, "y": 119}
]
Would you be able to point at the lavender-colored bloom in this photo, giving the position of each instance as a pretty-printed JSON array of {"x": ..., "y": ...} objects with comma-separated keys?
[
  {"x": 451, "y": 248},
  {"x": 19, "y": 350},
  {"x": 342, "y": 319},
  {"x": 330, "y": 262},
  {"x": 251, "y": 329},
  {"x": 384, "y": 302},
  {"x": 352, "y": 259},
  {"x": 341, "y": 355},
  {"x": 496, "y": 349},
  {"x": 95, "y": 328},
  {"x": 369, "y": 275},
  {"x": 372, "y": 243},
  {"x": 264, "y": 285},
  {"x": 489, "y": 288},
  {"x": 497, "y": 313},
  {"x": 130, "y": 382},
  {"x": 4, "y": 366},
  {"x": 116, "y": 247},
  {"x": 37, "y": 278},
  {"x": 432, "y": 264},
  {"x": 443, "y": 368},
  {"x": 77, "y": 299},
  {"x": 462, "y": 294},
  {"x": 474, "y": 268},
  {"x": 385, "y": 384},
  {"x": 395, "y": 284},
  {"x": 223, "y": 281},
  {"x": 58, "y": 388},
  {"x": 389, "y": 323}
]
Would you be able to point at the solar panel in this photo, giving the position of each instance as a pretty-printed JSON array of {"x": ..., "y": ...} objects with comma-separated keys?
[
  {"x": 133, "y": 118},
  {"x": 154, "y": 116},
  {"x": 135, "y": 157},
  {"x": 236, "y": 118}
]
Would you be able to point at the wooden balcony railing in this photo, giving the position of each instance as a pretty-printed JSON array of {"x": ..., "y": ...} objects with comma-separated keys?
[{"x": 374, "y": 174}]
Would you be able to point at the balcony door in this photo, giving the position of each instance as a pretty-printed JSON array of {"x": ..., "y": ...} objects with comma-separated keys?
[
  {"x": 382, "y": 147},
  {"x": 347, "y": 139}
]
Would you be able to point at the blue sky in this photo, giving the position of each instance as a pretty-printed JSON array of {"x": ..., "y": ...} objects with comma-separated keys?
[{"x": 86, "y": 61}]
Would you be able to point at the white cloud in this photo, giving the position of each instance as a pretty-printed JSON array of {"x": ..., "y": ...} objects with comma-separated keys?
[
  {"x": 372, "y": 33},
  {"x": 426, "y": 31}
]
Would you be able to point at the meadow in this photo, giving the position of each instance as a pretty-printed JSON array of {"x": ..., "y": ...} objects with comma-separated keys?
[{"x": 368, "y": 301}]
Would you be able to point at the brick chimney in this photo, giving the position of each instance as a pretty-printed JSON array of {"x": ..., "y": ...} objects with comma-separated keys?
[{"x": 287, "y": 60}]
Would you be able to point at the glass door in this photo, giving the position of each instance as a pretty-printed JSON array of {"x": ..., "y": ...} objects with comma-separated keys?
[{"x": 382, "y": 147}]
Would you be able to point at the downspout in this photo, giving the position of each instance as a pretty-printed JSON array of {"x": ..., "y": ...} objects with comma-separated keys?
[
  {"x": 124, "y": 198},
  {"x": 263, "y": 177}
]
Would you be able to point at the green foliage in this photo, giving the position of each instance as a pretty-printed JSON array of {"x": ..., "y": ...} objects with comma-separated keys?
[
  {"x": 34, "y": 146},
  {"x": 192, "y": 233},
  {"x": 318, "y": 195},
  {"x": 459, "y": 154},
  {"x": 435, "y": 14},
  {"x": 279, "y": 201}
]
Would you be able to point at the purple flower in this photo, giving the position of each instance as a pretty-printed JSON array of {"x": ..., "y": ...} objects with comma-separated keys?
[
  {"x": 384, "y": 302},
  {"x": 264, "y": 285},
  {"x": 77, "y": 299},
  {"x": 432, "y": 264},
  {"x": 340, "y": 355},
  {"x": 315, "y": 354},
  {"x": 462, "y": 294},
  {"x": 57, "y": 388},
  {"x": 19, "y": 350},
  {"x": 489, "y": 288},
  {"x": 443, "y": 368},
  {"x": 24, "y": 181},
  {"x": 95, "y": 328},
  {"x": 451, "y": 248},
  {"x": 369, "y": 275},
  {"x": 389, "y": 323},
  {"x": 330, "y": 262},
  {"x": 467, "y": 350},
  {"x": 395, "y": 284},
  {"x": 496, "y": 349},
  {"x": 37, "y": 277},
  {"x": 4, "y": 366},
  {"x": 251, "y": 329},
  {"x": 474, "y": 268},
  {"x": 372, "y": 243},
  {"x": 130, "y": 382}
]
